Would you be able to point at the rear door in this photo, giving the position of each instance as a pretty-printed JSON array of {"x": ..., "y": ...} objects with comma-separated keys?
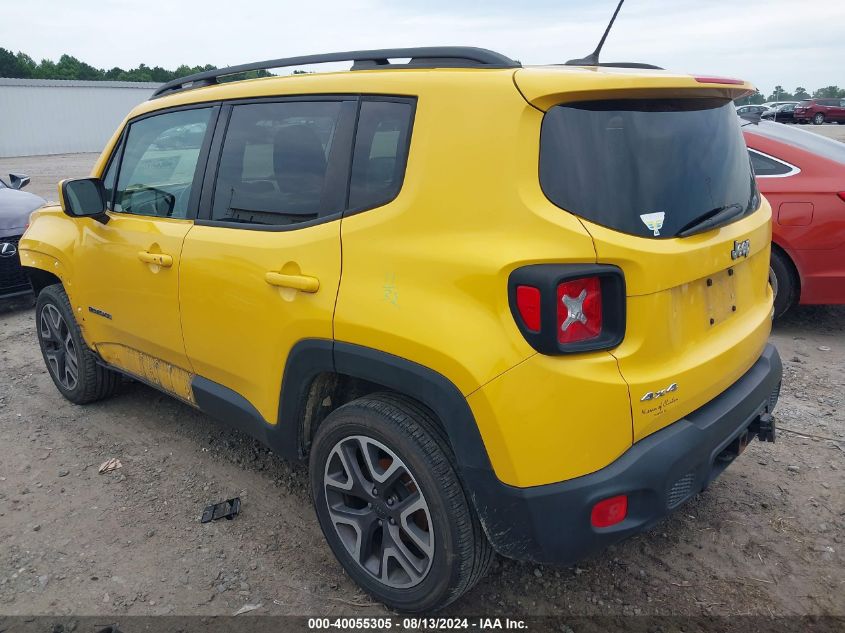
[
  {"x": 664, "y": 187},
  {"x": 260, "y": 270}
]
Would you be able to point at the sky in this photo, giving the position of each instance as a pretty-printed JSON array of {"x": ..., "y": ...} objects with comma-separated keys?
[{"x": 763, "y": 41}]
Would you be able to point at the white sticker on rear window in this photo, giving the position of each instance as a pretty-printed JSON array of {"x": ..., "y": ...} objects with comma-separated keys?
[{"x": 654, "y": 221}]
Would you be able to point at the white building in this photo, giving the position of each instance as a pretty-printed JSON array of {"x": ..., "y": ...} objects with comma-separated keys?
[{"x": 51, "y": 116}]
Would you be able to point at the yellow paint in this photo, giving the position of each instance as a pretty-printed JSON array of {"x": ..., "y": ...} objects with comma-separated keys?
[
  {"x": 238, "y": 328},
  {"x": 424, "y": 277},
  {"x": 553, "y": 418}
]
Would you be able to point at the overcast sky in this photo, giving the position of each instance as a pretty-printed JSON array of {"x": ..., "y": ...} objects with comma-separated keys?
[{"x": 764, "y": 41}]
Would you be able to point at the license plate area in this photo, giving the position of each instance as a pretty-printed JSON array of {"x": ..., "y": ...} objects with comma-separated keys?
[{"x": 720, "y": 296}]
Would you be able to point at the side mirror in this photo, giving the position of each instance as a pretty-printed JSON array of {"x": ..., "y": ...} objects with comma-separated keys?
[
  {"x": 83, "y": 198},
  {"x": 18, "y": 181}
]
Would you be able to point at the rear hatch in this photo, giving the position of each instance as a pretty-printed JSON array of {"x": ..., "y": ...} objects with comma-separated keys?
[{"x": 656, "y": 168}]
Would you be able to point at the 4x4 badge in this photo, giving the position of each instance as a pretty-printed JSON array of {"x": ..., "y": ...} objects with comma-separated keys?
[
  {"x": 741, "y": 249},
  {"x": 654, "y": 221},
  {"x": 651, "y": 395}
]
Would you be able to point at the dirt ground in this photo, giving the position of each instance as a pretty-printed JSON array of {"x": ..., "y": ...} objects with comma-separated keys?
[{"x": 768, "y": 537}]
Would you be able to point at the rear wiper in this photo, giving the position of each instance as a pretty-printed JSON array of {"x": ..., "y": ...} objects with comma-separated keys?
[{"x": 711, "y": 219}]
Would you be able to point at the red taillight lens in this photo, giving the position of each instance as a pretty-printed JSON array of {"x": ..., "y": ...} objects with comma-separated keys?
[
  {"x": 609, "y": 512},
  {"x": 841, "y": 195},
  {"x": 528, "y": 304},
  {"x": 579, "y": 310}
]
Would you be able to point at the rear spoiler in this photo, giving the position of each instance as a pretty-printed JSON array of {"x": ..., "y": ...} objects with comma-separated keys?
[{"x": 546, "y": 86}]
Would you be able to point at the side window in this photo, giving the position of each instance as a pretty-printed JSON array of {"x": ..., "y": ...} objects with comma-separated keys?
[
  {"x": 111, "y": 173},
  {"x": 765, "y": 166},
  {"x": 274, "y": 164},
  {"x": 381, "y": 151},
  {"x": 159, "y": 163}
]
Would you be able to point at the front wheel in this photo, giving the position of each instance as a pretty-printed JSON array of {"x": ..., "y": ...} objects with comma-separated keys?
[
  {"x": 71, "y": 363},
  {"x": 391, "y": 506}
]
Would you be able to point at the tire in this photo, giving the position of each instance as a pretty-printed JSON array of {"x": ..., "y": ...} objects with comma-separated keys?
[
  {"x": 784, "y": 282},
  {"x": 424, "y": 515},
  {"x": 818, "y": 118},
  {"x": 70, "y": 362}
]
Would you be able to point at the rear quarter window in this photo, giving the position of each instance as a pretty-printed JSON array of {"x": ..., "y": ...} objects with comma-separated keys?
[
  {"x": 381, "y": 152},
  {"x": 768, "y": 166}
]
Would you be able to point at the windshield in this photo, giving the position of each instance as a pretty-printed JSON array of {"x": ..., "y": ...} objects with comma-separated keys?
[{"x": 648, "y": 167}]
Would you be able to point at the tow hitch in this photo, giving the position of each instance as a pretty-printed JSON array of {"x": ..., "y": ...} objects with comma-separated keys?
[{"x": 764, "y": 427}]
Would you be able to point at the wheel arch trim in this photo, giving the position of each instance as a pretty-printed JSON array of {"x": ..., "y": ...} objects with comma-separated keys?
[{"x": 310, "y": 358}]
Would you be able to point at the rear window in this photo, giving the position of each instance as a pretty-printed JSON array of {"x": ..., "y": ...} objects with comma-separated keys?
[
  {"x": 805, "y": 104},
  {"x": 647, "y": 167}
]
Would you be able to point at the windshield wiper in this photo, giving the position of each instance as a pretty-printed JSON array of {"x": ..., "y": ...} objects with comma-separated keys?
[{"x": 711, "y": 219}]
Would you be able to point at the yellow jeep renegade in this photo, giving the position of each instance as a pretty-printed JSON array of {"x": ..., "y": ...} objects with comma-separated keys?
[{"x": 521, "y": 310}]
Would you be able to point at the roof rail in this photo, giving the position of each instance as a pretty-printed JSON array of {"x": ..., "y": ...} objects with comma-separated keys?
[{"x": 424, "y": 57}]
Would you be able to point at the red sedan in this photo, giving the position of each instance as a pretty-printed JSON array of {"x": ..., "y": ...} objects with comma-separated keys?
[{"x": 803, "y": 176}]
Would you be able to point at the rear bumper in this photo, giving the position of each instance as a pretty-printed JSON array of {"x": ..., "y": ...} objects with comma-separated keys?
[{"x": 551, "y": 523}]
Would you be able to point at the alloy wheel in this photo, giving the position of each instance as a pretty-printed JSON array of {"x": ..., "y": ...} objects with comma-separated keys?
[
  {"x": 58, "y": 346},
  {"x": 379, "y": 511}
]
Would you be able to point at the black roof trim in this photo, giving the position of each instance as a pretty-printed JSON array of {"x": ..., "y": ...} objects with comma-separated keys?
[{"x": 424, "y": 57}]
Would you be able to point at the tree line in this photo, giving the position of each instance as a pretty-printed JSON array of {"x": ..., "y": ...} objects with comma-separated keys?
[
  {"x": 799, "y": 94},
  {"x": 22, "y": 66}
]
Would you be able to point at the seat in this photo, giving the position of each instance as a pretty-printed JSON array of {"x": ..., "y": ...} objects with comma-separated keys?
[{"x": 299, "y": 162}]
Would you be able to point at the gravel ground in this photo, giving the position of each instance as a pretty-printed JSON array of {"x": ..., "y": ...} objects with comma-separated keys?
[{"x": 768, "y": 537}]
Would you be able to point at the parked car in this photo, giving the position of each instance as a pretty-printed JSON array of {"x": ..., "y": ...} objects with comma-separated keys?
[
  {"x": 773, "y": 104},
  {"x": 15, "y": 208},
  {"x": 820, "y": 110},
  {"x": 803, "y": 176},
  {"x": 547, "y": 326},
  {"x": 751, "y": 109},
  {"x": 783, "y": 113}
]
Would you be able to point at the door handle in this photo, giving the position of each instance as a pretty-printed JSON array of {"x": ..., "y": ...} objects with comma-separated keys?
[
  {"x": 297, "y": 282},
  {"x": 158, "y": 259}
]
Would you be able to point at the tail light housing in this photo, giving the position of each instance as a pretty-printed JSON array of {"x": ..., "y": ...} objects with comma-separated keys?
[
  {"x": 568, "y": 308},
  {"x": 841, "y": 195}
]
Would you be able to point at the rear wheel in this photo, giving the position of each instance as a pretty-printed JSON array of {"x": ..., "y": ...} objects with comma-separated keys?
[
  {"x": 818, "y": 118},
  {"x": 391, "y": 506},
  {"x": 71, "y": 363},
  {"x": 784, "y": 283}
]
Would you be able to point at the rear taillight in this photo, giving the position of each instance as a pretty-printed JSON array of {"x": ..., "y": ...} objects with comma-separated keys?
[
  {"x": 579, "y": 310},
  {"x": 841, "y": 195},
  {"x": 568, "y": 308},
  {"x": 528, "y": 303}
]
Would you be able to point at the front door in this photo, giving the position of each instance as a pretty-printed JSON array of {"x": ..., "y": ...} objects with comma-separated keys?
[
  {"x": 260, "y": 270},
  {"x": 128, "y": 267}
]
